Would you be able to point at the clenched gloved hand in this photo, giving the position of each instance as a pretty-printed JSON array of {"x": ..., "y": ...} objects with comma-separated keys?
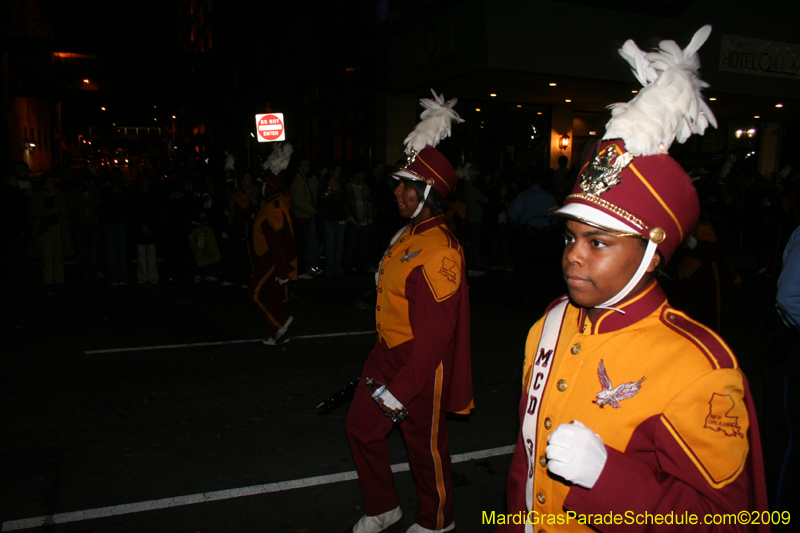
[{"x": 576, "y": 453}]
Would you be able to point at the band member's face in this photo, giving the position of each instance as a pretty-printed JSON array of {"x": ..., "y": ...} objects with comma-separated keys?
[
  {"x": 597, "y": 264},
  {"x": 407, "y": 201}
]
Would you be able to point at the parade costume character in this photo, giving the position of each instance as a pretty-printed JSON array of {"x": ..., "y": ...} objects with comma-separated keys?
[
  {"x": 273, "y": 242},
  {"x": 422, "y": 351},
  {"x": 629, "y": 406}
]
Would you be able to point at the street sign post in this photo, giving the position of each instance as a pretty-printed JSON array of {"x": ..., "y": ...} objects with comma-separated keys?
[{"x": 270, "y": 127}]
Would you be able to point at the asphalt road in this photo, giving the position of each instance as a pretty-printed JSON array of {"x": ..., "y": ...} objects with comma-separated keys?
[{"x": 107, "y": 426}]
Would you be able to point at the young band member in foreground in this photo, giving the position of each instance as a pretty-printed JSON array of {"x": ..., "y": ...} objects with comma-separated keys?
[{"x": 629, "y": 406}]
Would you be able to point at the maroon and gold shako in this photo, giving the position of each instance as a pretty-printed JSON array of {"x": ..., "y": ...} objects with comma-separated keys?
[
  {"x": 650, "y": 196},
  {"x": 431, "y": 167},
  {"x": 629, "y": 184},
  {"x": 425, "y": 162}
]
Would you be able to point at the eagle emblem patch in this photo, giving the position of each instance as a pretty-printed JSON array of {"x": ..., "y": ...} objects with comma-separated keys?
[
  {"x": 409, "y": 256},
  {"x": 611, "y": 395},
  {"x": 719, "y": 419}
]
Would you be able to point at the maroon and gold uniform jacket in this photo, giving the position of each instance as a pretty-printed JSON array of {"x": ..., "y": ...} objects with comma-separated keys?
[
  {"x": 422, "y": 316},
  {"x": 671, "y": 404},
  {"x": 273, "y": 236}
]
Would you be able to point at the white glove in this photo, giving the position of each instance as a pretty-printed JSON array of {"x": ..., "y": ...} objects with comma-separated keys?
[
  {"x": 576, "y": 453},
  {"x": 281, "y": 281}
]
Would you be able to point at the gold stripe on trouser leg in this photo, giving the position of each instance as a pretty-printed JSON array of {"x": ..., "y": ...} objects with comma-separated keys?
[{"x": 437, "y": 401}]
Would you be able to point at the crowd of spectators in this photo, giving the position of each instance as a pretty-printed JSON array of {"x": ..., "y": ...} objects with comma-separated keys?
[{"x": 118, "y": 231}]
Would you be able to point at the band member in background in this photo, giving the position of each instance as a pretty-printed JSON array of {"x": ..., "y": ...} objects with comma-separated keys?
[
  {"x": 422, "y": 350},
  {"x": 274, "y": 244}
]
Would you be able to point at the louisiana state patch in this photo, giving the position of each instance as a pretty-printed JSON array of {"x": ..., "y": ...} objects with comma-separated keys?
[
  {"x": 442, "y": 271},
  {"x": 709, "y": 421}
]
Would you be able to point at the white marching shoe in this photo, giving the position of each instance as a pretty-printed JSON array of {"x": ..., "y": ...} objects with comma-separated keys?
[
  {"x": 416, "y": 528},
  {"x": 375, "y": 524}
]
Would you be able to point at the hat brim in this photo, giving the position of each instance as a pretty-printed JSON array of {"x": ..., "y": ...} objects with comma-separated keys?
[
  {"x": 404, "y": 173},
  {"x": 595, "y": 217}
]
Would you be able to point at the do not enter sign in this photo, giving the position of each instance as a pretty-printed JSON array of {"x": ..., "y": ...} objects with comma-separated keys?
[{"x": 270, "y": 127}]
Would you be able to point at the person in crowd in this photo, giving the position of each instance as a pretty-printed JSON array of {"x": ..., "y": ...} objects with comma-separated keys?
[
  {"x": 561, "y": 177},
  {"x": 387, "y": 219},
  {"x": 782, "y": 370},
  {"x": 535, "y": 251},
  {"x": 15, "y": 229},
  {"x": 332, "y": 207},
  {"x": 114, "y": 215},
  {"x": 180, "y": 207},
  {"x": 704, "y": 276},
  {"x": 422, "y": 351},
  {"x": 20, "y": 170},
  {"x": 203, "y": 212},
  {"x": 84, "y": 199},
  {"x": 474, "y": 199},
  {"x": 236, "y": 243},
  {"x": 304, "y": 207},
  {"x": 49, "y": 217},
  {"x": 455, "y": 213},
  {"x": 628, "y": 404},
  {"x": 256, "y": 185},
  {"x": 501, "y": 204},
  {"x": 146, "y": 223},
  {"x": 359, "y": 234}
]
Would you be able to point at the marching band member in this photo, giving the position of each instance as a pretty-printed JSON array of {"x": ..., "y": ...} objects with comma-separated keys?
[
  {"x": 630, "y": 406},
  {"x": 422, "y": 351}
]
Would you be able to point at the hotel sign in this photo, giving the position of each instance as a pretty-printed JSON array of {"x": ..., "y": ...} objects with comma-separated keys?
[{"x": 762, "y": 58}]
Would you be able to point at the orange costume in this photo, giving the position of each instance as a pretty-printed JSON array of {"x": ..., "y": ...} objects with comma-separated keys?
[{"x": 273, "y": 241}]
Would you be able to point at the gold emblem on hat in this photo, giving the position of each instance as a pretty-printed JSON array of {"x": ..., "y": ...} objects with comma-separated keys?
[
  {"x": 657, "y": 235},
  {"x": 602, "y": 174},
  {"x": 429, "y": 181}
]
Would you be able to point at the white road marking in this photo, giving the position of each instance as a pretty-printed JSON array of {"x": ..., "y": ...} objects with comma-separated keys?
[
  {"x": 178, "y": 501},
  {"x": 221, "y": 343}
]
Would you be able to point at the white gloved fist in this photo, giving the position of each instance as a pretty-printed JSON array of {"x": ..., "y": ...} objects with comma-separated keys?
[
  {"x": 281, "y": 281},
  {"x": 576, "y": 453}
]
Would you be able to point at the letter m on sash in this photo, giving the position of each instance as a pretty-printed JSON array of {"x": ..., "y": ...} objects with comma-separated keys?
[{"x": 543, "y": 358}]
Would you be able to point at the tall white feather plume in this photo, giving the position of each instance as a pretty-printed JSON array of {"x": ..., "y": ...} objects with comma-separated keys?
[
  {"x": 435, "y": 124},
  {"x": 466, "y": 172},
  {"x": 278, "y": 160},
  {"x": 230, "y": 161},
  {"x": 670, "y": 105}
]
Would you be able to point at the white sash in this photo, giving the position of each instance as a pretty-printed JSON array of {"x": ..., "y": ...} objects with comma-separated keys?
[{"x": 540, "y": 372}]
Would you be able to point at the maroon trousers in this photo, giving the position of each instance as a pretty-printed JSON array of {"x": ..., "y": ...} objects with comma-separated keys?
[
  {"x": 425, "y": 435},
  {"x": 266, "y": 295}
]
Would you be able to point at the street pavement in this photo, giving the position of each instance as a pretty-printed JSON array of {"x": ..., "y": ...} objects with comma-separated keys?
[{"x": 156, "y": 408}]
